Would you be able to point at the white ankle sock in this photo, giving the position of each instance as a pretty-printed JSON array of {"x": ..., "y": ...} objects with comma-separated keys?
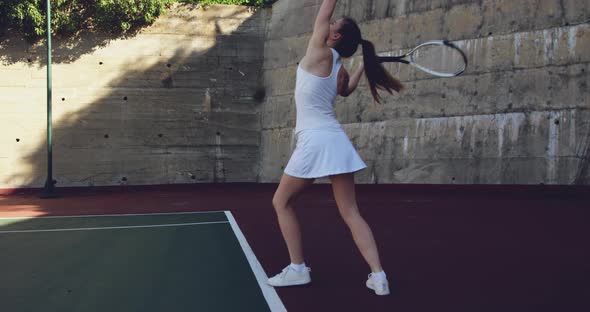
[
  {"x": 298, "y": 267},
  {"x": 379, "y": 275}
]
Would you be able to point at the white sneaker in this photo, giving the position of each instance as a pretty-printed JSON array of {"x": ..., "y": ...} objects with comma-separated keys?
[
  {"x": 380, "y": 286},
  {"x": 290, "y": 277}
]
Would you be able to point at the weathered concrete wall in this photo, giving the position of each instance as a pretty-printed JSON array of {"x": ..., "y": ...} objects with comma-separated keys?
[
  {"x": 520, "y": 114},
  {"x": 172, "y": 104}
]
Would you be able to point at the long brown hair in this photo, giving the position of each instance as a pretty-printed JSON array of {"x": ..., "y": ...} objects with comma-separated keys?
[{"x": 378, "y": 76}]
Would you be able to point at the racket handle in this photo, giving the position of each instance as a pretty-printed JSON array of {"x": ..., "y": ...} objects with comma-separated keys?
[{"x": 398, "y": 59}]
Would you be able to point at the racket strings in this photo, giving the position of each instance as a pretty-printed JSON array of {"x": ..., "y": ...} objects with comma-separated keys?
[{"x": 441, "y": 59}]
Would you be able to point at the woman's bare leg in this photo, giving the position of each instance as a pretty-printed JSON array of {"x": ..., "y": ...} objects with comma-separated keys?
[
  {"x": 344, "y": 193},
  {"x": 288, "y": 190}
]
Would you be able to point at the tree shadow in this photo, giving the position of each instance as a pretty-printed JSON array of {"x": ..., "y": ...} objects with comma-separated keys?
[
  {"x": 14, "y": 48},
  {"x": 157, "y": 108}
]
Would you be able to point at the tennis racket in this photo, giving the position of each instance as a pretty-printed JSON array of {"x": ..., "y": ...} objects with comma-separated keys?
[{"x": 436, "y": 57}]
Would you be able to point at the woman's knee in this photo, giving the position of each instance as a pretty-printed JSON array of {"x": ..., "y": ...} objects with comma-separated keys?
[{"x": 279, "y": 204}]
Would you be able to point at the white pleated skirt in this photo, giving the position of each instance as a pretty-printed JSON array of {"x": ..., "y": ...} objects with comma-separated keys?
[{"x": 323, "y": 152}]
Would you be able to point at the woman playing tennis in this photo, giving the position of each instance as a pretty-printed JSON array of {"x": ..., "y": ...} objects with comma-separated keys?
[{"x": 323, "y": 148}]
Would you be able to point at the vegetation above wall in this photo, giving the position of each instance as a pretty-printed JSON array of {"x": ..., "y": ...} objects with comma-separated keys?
[{"x": 72, "y": 16}]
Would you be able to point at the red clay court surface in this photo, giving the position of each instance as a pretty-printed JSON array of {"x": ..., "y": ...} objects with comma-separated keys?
[{"x": 444, "y": 248}]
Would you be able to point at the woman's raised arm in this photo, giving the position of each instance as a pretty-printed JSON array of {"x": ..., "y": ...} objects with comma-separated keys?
[{"x": 321, "y": 28}]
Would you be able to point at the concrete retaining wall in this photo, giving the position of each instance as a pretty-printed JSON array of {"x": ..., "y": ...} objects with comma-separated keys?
[
  {"x": 179, "y": 101},
  {"x": 171, "y": 104},
  {"x": 518, "y": 115}
]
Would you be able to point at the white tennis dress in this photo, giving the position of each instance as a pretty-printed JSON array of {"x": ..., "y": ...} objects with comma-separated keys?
[{"x": 323, "y": 148}]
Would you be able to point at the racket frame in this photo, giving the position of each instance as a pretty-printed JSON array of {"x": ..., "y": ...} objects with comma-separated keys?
[{"x": 402, "y": 58}]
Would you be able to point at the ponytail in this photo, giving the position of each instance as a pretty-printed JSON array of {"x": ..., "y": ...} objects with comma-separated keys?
[{"x": 378, "y": 76}]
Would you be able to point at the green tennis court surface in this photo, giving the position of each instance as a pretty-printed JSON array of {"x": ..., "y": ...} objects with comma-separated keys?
[{"x": 155, "y": 262}]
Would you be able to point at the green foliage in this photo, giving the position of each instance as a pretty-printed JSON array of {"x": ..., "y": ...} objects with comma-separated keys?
[
  {"x": 258, "y": 3},
  {"x": 24, "y": 15},
  {"x": 71, "y": 16},
  {"x": 122, "y": 15}
]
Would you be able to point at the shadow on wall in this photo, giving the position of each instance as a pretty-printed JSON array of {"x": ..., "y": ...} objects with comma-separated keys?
[
  {"x": 583, "y": 174},
  {"x": 169, "y": 105},
  {"x": 15, "y": 49}
]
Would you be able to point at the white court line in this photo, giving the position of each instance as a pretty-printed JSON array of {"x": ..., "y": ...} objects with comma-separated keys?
[
  {"x": 111, "y": 227},
  {"x": 113, "y": 215},
  {"x": 269, "y": 293}
]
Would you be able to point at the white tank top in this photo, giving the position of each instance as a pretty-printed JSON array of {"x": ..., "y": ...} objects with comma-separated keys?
[{"x": 315, "y": 97}]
